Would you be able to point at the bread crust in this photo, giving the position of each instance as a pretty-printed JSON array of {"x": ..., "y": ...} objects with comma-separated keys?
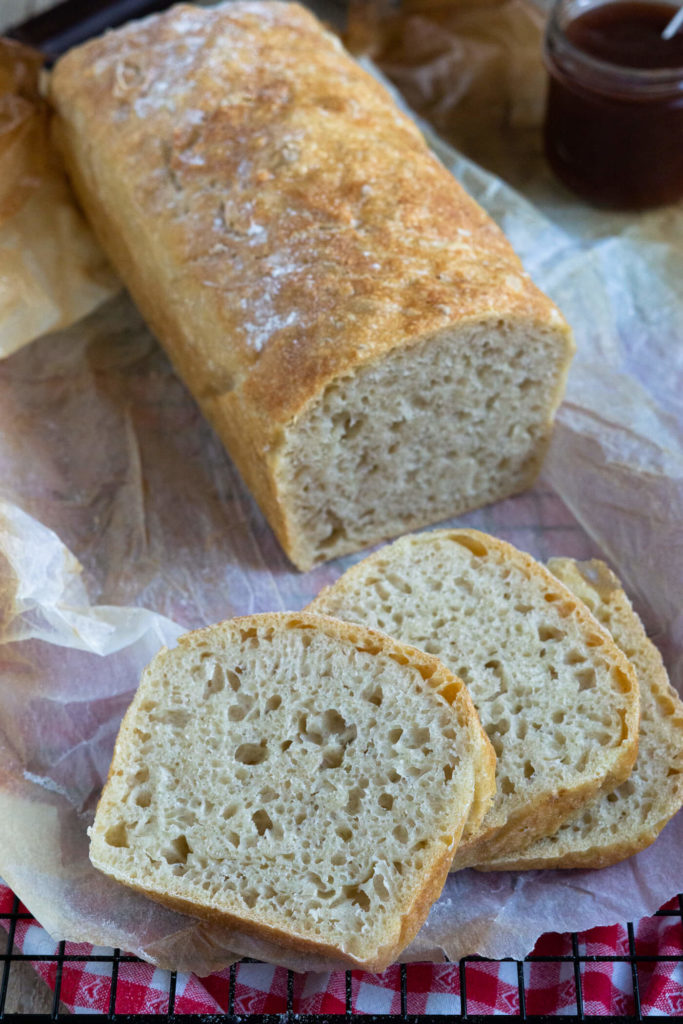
[
  {"x": 543, "y": 815},
  {"x": 436, "y": 676},
  {"x": 279, "y": 223},
  {"x": 596, "y": 582}
]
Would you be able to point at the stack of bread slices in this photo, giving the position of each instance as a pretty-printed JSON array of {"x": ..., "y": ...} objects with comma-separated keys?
[{"x": 311, "y": 777}]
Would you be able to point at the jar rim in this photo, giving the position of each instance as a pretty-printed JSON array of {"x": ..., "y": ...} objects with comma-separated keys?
[{"x": 556, "y": 40}]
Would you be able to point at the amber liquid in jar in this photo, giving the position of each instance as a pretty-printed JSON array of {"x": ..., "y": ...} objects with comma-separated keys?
[{"x": 614, "y": 117}]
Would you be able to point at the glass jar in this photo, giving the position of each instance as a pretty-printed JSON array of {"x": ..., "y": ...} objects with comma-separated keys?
[{"x": 614, "y": 125}]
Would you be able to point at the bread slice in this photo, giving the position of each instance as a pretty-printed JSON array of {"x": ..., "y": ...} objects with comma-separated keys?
[
  {"x": 556, "y": 696},
  {"x": 627, "y": 820},
  {"x": 298, "y": 778}
]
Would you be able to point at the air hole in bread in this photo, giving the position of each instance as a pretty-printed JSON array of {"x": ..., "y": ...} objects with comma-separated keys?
[
  {"x": 274, "y": 702},
  {"x": 117, "y": 835},
  {"x": 507, "y": 786},
  {"x": 216, "y": 683},
  {"x": 449, "y": 692},
  {"x": 395, "y": 735},
  {"x": 386, "y": 801},
  {"x": 251, "y": 753},
  {"x": 354, "y": 800},
  {"x": 177, "y": 851},
  {"x": 399, "y": 583},
  {"x": 380, "y": 887},
  {"x": 357, "y": 896},
  {"x": 344, "y": 833},
  {"x": 623, "y": 680},
  {"x": 337, "y": 533},
  {"x": 426, "y": 672},
  {"x": 400, "y": 833},
  {"x": 332, "y": 757},
  {"x": 369, "y": 647},
  {"x": 574, "y": 657},
  {"x": 416, "y": 737},
  {"x": 473, "y": 544},
  {"x": 262, "y": 820},
  {"x": 249, "y": 897},
  {"x": 236, "y": 712},
  {"x": 374, "y": 696},
  {"x": 546, "y": 633},
  {"x": 586, "y": 679},
  {"x": 143, "y": 798}
]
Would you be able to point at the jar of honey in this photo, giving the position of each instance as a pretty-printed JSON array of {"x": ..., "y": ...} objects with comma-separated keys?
[{"x": 614, "y": 116}]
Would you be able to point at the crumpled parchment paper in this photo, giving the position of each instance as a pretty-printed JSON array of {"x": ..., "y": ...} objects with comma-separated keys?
[
  {"x": 123, "y": 521},
  {"x": 52, "y": 272}
]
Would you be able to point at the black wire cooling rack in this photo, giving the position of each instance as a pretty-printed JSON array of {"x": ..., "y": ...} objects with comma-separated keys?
[{"x": 116, "y": 958}]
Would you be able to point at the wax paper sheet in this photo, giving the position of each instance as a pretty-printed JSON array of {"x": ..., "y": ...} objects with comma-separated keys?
[
  {"x": 123, "y": 521},
  {"x": 52, "y": 272}
]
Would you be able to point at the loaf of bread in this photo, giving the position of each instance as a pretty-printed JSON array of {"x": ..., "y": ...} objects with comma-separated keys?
[
  {"x": 298, "y": 778},
  {"x": 558, "y": 699},
  {"x": 627, "y": 820},
  {"x": 360, "y": 334}
]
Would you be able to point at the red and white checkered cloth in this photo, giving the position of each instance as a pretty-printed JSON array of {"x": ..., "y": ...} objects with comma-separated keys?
[{"x": 492, "y": 988}]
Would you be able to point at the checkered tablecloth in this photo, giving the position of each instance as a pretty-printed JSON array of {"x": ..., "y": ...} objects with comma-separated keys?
[{"x": 549, "y": 985}]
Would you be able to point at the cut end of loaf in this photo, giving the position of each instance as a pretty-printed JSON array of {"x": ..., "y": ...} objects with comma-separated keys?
[
  {"x": 295, "y": 777},
  {"x": 430, "y": 432}
]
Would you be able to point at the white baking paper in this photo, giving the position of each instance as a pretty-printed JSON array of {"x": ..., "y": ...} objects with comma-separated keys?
[{"x": 123, "y": 521}]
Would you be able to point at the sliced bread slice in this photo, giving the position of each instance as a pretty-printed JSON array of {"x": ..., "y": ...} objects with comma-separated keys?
[
  {"x": 556, "y": 696},
  {"x": 629, "y": 819},
  {"x": 298, "y": 778}
]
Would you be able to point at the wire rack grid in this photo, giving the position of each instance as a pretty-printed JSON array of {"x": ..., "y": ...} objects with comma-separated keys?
[{"x": 114, "y": 959}]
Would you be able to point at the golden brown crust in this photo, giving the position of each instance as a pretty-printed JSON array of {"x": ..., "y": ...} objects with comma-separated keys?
[
  {"x": 144, "y": 95},
  {"x": 277, "y": 220}
]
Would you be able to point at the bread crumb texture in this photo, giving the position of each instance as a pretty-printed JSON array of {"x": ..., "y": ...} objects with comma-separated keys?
[
  {"x": 429, "y": 432},
  {"x": 631, "y": 817},
  {"x": 556, "y": 697},
  {"x": 297, "y": 777}
]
